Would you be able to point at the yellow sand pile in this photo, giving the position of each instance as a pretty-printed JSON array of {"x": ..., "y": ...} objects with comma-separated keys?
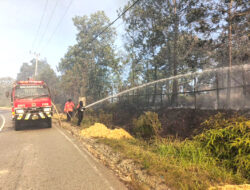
[
  {"x": 231, "y": 187},
  {"x": 61, "y": 115},
  {"x": 101, "y": 131}
]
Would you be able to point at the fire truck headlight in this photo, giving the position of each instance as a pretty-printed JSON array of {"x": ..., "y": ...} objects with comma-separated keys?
[
  {"x": 46, "y": 109},
  {"x": 19, "y": 111}
]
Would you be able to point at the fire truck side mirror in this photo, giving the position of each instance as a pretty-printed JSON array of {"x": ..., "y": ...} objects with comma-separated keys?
[{"x": 7, "y": 94}]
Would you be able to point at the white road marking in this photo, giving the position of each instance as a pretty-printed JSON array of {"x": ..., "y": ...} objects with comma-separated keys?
[
  {"x": 84, "y": 155},
  {"x": 3, "y": 122}
]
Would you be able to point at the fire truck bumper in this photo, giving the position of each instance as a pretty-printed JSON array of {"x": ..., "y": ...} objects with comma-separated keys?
[{"x": 38, "y": 114}]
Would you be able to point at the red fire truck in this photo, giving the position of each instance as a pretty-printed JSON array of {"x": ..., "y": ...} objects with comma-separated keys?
[{"x": 31, "y": 101}]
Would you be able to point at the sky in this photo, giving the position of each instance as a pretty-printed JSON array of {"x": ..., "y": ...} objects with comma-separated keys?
[{"x": 21, "y": 36}]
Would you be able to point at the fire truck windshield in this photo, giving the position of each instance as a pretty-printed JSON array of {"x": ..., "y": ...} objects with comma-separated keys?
[{"x": 34, "y": 91}]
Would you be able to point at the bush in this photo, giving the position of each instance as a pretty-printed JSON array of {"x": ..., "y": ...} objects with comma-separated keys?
[
  {"x": 147, "y": 125},
  {"x": 220, "y": 121},
  {"x": 89, "y": 118},
  {"x": 229, "y": 141},
  {"x": 105, "y": 118}
]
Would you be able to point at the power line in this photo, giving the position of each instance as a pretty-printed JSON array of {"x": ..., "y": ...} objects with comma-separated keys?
[
  {"x": 123, "y": 13},
  {"x": 119, "y": 25},
  {"x": 40, "y": 23},
  {"x": 47, "y": 26},
  {"x": 59, "y": 23}
]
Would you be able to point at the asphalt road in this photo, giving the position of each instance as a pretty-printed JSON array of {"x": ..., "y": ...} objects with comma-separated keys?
[{"x": 40, "y": 158}]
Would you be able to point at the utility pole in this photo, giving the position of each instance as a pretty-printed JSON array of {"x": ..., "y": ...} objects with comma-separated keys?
[{"x": 36, "y": 56}]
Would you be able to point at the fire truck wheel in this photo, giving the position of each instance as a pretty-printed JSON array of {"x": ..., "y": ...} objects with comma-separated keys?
[
  {"x": 18, "y": 125},
  {"x": 49, "y": 123}
]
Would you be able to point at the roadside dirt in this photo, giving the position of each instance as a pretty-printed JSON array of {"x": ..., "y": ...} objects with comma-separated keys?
[{"x": 127, "y": 170}]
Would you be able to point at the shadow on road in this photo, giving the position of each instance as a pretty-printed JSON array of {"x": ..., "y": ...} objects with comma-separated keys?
[{"x": 32, "y": 125}]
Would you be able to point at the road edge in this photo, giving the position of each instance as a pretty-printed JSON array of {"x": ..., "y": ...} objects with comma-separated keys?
[
  {"x": 81, "y": 152},
  {"x": 5, "y": 108},
  {"x": 133, "y": 177}
]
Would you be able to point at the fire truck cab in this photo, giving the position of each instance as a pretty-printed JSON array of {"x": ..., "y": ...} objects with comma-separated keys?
[{"x": 31, "y": 100}]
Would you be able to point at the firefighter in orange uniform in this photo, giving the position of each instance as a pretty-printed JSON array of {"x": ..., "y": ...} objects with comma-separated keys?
[{"x": 68, "y": 109}]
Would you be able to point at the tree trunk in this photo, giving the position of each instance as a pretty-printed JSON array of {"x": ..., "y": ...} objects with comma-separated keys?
[
  {"x": 217, "y": 91},
  {"x": 133, "y": 79},
  {"x": 161, "y": 96},
  {"x": 175, "y": 63},
  {"x": 244, "y": 86},
  {"x": 147, "y": 90},
  {"x": 195, "y": 100},
  {"x": 229, "y": 55},
  {"x": 155, "y": 86}
]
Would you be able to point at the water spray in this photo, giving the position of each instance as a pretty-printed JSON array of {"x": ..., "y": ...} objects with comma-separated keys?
[{"x": 245, "y": 66}]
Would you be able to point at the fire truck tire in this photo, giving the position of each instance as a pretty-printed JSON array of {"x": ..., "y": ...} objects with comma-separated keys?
[
  {"x": 18, "y": 125},
  {"x": 49, "y": 123}
]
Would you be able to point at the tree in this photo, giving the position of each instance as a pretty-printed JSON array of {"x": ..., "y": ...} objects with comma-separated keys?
[
  {"x": 91, "y": 66},
  {"x": 230, "y": 22},
  {"x": 48, "y": 75},
  {"x": 5, "y": 86},
  {"x": 161, "y": 34},
  {"x": 45, "y": 73},
  {"x": 27, "y": 70}
]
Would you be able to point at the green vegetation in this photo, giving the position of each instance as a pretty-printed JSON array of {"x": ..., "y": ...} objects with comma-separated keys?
[
  {"x": 5, "y": 86},
  {"x": 90, "y": 67},
  {"x": 147, "y": 125},
  {"x": 166, "y": 38},
  {"x": 229, "y": 142},
  {"x": 105, "y": 118},
  {"x": 218, "y": 155}
]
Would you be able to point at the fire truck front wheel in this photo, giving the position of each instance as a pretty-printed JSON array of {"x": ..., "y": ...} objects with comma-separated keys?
[{"x": 17, "y": 125}]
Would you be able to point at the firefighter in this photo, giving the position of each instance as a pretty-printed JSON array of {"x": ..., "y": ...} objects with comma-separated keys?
[
  {"x": 68, "y": 109},
  {"x": 80, "y": 110}
]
